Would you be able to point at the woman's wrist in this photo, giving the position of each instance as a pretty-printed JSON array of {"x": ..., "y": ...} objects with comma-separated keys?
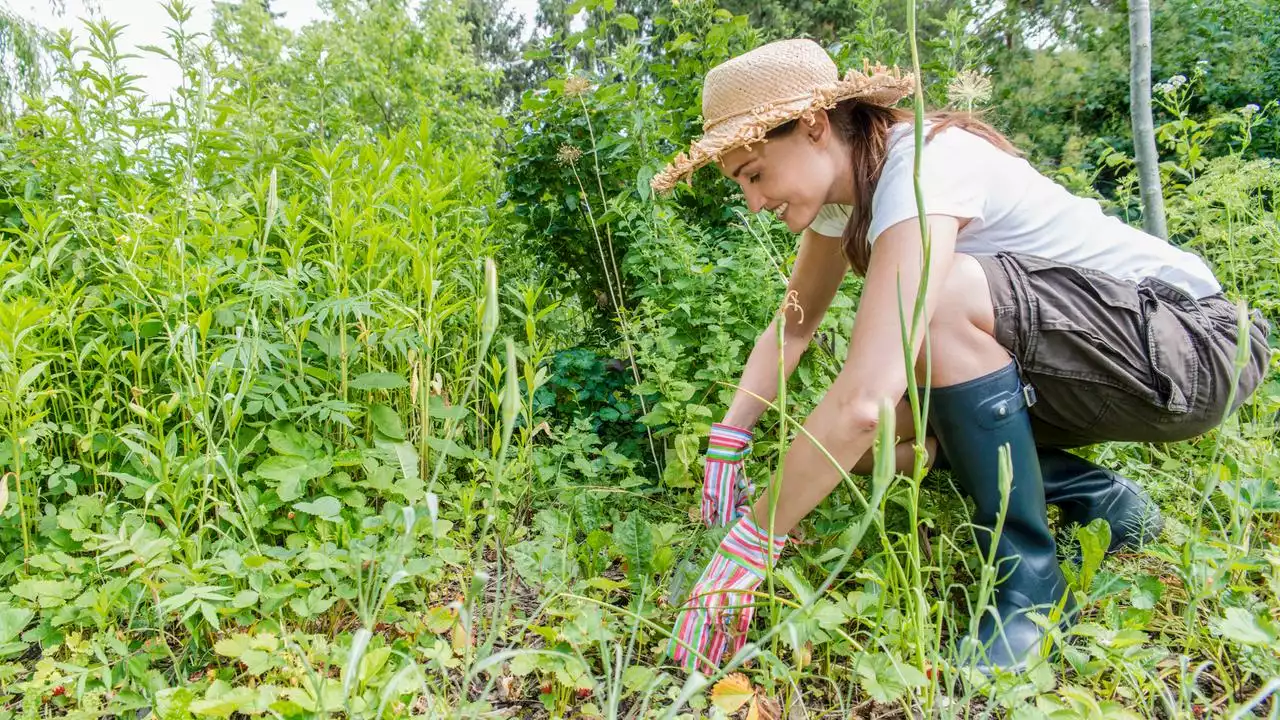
[{"x": 740, "y": 417}]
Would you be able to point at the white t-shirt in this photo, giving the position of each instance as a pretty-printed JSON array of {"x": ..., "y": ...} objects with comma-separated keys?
[{"x": 1012, "y": 207}]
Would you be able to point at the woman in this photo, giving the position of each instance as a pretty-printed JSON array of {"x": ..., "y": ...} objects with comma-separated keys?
[{"x": 1051, "y": 324}]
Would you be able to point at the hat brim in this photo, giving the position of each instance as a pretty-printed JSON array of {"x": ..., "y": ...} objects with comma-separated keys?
[{"x": 885, "y": 88}]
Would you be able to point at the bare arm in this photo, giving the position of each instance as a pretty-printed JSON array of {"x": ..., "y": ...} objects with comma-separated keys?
[
  {"x": 820, "y": 268},
  {"x": 845, "y": 420}
]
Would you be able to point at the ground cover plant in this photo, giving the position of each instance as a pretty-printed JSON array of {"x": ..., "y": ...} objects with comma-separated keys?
[{"x": 345, "y": 385}]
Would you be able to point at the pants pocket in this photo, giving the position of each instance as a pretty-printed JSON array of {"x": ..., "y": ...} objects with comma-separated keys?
[
  {"x": 1093, "y": 328},
  {"x": 1175, "y": 367}
]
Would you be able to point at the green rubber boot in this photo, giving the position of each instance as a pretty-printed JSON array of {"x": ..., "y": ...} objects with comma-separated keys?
[
  {"x": 1084, "y": 492},
  {"x": 971, "y": 421}
]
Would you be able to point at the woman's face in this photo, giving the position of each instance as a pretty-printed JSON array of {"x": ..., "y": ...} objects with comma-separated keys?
[{"x": 792, "y": 175}]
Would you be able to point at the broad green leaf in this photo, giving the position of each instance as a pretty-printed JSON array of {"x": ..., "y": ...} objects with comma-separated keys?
[
  {"x": 13, "y": 621},
  {"x": 572, "y": 672},
  {"x": 440, "y": 619},
  {"x": 386, "y": 421},
  {"x": 372, "y": 663},
  {"x": 411, "y": 486},
  {"x": 540, "y": 561},
  {"x": 589, "y": 510},
  {"x": 794, "y": 582},
  {"x": 46, "y": 593},
  {"x": 452, "y": 449},
  {"x": 220, "y": 700},
  {"x": 12, "y": 648},
  {"x": 553, "y": 523},
  {"x": 678, "y": 475},
  {"x": 234, "y": 646},
  {"x": 635, "y": 541},
  {"x": 1146, "y": 592},
  {"x": 1246, "y": 628},
  {"x": 330, "y": 695},
  {"x": 30, "y": 376},
  {"x": 258, "y": 662},
  {"x": 828, "y": 615},
  {"x": 325, "y": 507},
  {"x": 604, "y": 583},
  {"x": 1094, "y": 539},
  {"x": 447, "y": 412},
  {"x": 379, "y": 381},
  {"x": 638, "y": 677},
  {"x": 885, "y": 679},
  {"x": 174, "y": 703},
  {"x": 286, "y": 439},
  {"x": 523, "y": 664},
  {"x": 291, "y": 472}
]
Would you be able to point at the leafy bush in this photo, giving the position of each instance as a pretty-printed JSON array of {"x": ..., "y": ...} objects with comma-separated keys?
[{"x": 278, "y": 438}]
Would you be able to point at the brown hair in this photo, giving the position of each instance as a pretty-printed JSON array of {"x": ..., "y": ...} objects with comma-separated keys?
[{"x": 864, "y": 128}]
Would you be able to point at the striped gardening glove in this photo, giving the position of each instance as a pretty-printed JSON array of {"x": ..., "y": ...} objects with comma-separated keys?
[
  {"x": 713, "y": 620},
  {"x": 726, "y": 489}
]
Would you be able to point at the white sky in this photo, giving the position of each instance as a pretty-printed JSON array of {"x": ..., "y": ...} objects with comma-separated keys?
[{"x": 146, "y": 20}]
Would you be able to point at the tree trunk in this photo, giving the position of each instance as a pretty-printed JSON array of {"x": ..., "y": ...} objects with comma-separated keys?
[{"x": 1144, "y": 136}]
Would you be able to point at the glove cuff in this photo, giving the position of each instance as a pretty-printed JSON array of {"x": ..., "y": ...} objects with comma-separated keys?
[
  {"x": 750, "y": 546},
  {"x": 727, "y": 443}
]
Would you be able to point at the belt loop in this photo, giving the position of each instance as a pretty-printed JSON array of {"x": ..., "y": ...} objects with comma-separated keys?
[{"x": 1176, "y": 295}]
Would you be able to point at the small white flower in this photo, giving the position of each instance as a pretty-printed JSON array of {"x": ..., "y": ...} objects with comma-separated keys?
[{"x": 1250, "y": 110}]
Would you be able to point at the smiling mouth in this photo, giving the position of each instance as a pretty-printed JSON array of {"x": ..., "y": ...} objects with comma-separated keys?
[{"x": 781, "y": 210}]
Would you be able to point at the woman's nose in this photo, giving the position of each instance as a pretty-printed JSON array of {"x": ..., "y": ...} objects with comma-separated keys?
[{"x": 755, "y": 201}]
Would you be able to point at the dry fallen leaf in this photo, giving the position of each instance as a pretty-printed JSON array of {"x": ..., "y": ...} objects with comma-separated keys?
[
  {"x": 543, "y": 428},
  {"x": 506, "y": 687},
  {"x": 768, "y": 708},
  {"x": 730, "y": 693},
  {"x": 4, "y": 491}
]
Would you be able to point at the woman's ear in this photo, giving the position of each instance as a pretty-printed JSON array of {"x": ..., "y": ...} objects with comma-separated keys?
[{"x": 820, "y": 129}]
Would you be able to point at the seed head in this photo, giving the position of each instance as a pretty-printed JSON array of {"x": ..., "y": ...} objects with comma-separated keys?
[
  {"x": 568, "y": 155},
  {"x": 576, "y": 85},
  {"x": 969, "y": 88}
]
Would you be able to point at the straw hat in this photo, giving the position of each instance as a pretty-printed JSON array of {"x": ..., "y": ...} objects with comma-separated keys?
[{"x": 745, "y": 97}]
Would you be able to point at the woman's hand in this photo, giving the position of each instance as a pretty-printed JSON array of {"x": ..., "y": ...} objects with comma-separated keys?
[
  {"x": 720, "y": 607},
  {"x": 726, "y": 489}
]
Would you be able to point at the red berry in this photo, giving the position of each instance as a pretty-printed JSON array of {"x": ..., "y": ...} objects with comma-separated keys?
[
  {"x": 290, "y": 514},
  {"x": 60, "y": 691},
  {"x": 546, "y": 688},
  {"x": 584, "y": 692}
]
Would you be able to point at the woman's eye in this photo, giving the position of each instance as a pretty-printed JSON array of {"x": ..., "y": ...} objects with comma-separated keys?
[{"x": 753, "y": 177}]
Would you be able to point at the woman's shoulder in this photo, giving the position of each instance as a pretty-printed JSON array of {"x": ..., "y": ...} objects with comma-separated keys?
[{"x": 952, "y": 138}]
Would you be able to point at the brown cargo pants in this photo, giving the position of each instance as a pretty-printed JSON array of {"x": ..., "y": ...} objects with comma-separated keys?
[{"x": 1113, "y": 360}]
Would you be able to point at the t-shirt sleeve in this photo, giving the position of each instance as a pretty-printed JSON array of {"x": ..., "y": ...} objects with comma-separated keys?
[
  {"x": 831, "y": 220},
  {"x": 951, "y": 180}
]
